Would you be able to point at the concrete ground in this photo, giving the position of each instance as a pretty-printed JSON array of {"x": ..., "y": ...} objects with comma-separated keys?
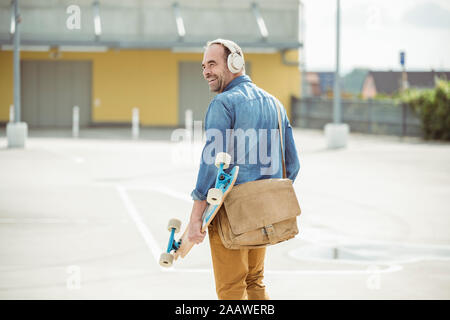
[{"x": 86, "y": 219}]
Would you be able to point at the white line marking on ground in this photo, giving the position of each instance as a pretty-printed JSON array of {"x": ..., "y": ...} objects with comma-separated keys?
[{"x": 134, "y": 214}]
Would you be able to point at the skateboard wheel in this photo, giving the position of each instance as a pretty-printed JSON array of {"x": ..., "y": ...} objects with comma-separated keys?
[
  {"x": 166, "y": 259},
  {"x": 214, "y": 196},
  {"x": 174, "y": 224},
  {"x": 223, "y": 157}
]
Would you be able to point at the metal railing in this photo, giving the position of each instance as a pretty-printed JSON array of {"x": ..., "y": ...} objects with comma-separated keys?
[{"x": 366, "y": 116}]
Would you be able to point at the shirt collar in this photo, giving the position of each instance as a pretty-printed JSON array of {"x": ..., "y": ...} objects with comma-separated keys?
[{"x": 236, "y": 81}]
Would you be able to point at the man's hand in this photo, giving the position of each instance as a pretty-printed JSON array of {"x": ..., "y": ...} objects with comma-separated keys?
[{"x": 194, "y": 233}]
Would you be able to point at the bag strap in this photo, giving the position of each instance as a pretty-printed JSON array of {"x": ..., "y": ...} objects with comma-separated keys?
[{"x": 281, "y": 138}]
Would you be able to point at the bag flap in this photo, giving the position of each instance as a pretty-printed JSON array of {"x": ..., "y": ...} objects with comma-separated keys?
[{"x": 255, "y": 204}]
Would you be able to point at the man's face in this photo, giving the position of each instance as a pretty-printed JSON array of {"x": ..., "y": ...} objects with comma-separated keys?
[{"x": 215, "y": 69}]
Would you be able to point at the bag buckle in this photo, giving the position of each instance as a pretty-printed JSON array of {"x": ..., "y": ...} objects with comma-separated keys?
[{"x": 269, "y": 231}]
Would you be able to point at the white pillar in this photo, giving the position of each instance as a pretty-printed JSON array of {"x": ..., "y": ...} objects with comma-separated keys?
[
  {"x": 188, "y": 120},
  {"x": 198, "y": 131},
  {"x": 135, "y": 123},
  {"x": 11, "y": 113},
  {"x": 75, "y": 121}
]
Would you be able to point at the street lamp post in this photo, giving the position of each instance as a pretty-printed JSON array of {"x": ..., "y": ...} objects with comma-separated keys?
[
  {"x": 16, "y": 130},
  {"x": 336, "y": 133},
  {"x": 337, "y": 108}
]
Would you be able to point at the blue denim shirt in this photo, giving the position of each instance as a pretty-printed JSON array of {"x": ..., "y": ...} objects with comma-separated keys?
[{"x": 242, "y": 121}]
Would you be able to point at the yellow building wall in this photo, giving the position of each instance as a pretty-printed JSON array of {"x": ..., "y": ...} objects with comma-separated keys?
[
  {"x": 148, "y": 79},
  {"x": 6, "y": 84},
  {"x": 270, "y": 74}
]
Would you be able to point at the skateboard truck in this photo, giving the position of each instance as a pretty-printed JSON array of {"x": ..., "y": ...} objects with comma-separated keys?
[
  {"x": 175, "y": 244},
  {"x": 166, "y": 259},
  {"x": 223, "y": 179}
]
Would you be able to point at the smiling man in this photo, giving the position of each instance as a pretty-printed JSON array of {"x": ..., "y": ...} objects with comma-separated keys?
[
  {"x": 215, "y": 65},
  {"x": 239, "y": 106}
]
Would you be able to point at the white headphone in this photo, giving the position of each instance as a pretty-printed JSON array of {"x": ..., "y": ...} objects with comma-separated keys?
[{"x": 235, "y": 59}]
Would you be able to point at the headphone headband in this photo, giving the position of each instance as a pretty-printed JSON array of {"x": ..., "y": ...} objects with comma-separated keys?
[
  {"x": 235, "y": 60},
  {"x": 227, "y": 44}
]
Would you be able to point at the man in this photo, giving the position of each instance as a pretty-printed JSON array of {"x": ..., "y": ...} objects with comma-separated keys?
[{"x": 239, "y": 105}]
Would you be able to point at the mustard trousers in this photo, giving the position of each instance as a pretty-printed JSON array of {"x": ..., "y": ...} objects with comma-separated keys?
[{"x": 239, "y": 273}]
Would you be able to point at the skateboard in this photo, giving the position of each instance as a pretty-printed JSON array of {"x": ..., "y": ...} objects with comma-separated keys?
[{"x": 215, "y": 198}]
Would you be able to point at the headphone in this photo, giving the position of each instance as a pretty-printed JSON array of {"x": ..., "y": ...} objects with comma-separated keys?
[{"x": 235, "y": 60}]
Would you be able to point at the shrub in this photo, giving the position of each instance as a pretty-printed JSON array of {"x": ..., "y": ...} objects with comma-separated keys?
[{"x": 433, "y": 108}]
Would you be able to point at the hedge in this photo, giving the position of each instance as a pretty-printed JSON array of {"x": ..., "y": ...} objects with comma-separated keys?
[{"x": 433, "y": 108}]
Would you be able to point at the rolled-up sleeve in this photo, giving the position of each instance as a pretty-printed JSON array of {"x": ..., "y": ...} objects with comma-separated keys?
[{"x": 218, "y": 120}]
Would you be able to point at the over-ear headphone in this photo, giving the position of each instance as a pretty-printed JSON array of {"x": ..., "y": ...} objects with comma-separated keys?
[{"x": 235, "y": 60}]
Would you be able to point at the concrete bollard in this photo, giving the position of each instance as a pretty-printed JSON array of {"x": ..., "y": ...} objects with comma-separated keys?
[
  {"x": 75, "y": 121},
  {"x": 17, "y": 133},
  {"x": 135, "y": 123},
  {"x": 336, "y": 135}
]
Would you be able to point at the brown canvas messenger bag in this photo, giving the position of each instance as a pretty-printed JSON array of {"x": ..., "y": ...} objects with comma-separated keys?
[{"x": 259, "y": 213}]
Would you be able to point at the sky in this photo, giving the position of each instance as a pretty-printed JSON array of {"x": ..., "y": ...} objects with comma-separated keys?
[{"x": 374, "y": 32}]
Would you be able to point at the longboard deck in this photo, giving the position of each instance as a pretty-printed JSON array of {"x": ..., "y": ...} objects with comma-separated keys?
[{"x": 207, "y": 217}]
